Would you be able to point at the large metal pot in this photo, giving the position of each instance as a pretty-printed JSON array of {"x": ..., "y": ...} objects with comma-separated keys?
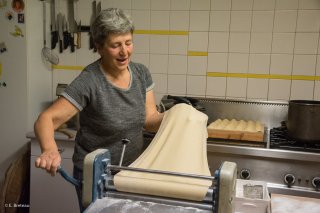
[{"x": 304, "y": 120}]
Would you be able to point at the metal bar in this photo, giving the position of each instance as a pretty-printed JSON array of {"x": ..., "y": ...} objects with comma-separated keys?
[
  {"x": 122, "y": 154},
  {"x": 165, "y": 201},
  {"x": 263, "y": 153},
  {"x": 207, "y": 199},
  {"x": 112, "y": 167},
  {"x": 125, "y": 141}
]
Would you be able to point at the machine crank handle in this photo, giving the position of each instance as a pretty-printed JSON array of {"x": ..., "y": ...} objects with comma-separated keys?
[{"x": 68, "y": 178}]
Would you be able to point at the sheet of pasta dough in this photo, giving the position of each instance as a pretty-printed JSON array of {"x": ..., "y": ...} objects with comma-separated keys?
[{"x": 180, "y": 145}]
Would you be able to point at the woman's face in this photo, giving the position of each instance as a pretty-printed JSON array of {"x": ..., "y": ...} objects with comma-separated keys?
[{"x": 116, "y": 51}]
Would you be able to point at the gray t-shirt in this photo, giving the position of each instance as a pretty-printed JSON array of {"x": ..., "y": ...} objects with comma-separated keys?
[{"x": 108, "y": 113}]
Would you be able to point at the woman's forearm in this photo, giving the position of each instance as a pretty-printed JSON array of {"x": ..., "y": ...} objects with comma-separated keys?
[
  {"x": 44, "y": 130},
  {"x": 153, "y": 122}
]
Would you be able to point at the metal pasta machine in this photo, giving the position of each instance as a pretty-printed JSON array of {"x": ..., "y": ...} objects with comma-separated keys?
[{"x": 100, "y": 195}]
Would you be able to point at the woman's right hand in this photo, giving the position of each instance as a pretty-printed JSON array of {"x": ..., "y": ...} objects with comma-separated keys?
[{"x": 49, "y": 160}]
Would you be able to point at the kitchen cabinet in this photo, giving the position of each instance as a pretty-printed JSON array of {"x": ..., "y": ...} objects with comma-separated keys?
[{"x": 52, "y": 194}]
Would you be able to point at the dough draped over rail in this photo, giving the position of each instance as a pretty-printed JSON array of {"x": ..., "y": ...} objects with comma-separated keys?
[{"x": 180, "y": 145}]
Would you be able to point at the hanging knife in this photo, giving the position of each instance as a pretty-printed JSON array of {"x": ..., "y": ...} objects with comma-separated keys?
[
  {"x": 66, "y": 36},
  {"x": 98, "y": 8},
  {"x": 94, "y": 15},
  {"x": 71, "y": 23},
  {"x": 54, "y": 31},
  {"x": 79, "y": 35},
  {"x": 60, "y": 31}
]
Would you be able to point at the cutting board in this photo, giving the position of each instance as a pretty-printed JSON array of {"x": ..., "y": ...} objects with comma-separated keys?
[
  {"x": 236, "y": 135},
  {"x": 294, "y": 204},
  {"x": 222, "y": 131}
]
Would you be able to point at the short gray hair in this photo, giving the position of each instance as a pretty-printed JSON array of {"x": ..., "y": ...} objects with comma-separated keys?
[{"x": 110, "y": 21}]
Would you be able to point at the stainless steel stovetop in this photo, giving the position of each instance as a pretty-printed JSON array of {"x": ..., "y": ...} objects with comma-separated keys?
[{"x": 286, "y": 171}]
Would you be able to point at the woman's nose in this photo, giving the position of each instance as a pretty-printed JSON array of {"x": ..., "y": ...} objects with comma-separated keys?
[{"x": 123, "y": 50}]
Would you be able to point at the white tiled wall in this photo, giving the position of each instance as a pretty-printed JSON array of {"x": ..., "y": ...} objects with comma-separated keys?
[{"x": 244, "y": 49}]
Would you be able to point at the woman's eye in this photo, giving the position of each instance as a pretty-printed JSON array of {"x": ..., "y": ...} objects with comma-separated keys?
[{"x": 115, "y": 45}]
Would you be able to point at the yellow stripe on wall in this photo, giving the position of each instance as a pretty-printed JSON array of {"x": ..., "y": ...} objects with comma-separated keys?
[
  {"x": 304, "y": 77},
  {"x": 161, "y": 32},
  {"x": 283, "y": 77},
  {"x": 67, "y": 67},
  {"x": 194, "y": 53},
  {"x": 264, "y": 76}
]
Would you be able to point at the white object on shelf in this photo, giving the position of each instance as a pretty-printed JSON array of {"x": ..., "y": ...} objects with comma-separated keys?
[{"x": 243, "y": 204}]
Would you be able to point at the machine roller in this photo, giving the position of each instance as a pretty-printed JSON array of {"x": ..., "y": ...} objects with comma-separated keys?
[{"x": 99, "y": 193}]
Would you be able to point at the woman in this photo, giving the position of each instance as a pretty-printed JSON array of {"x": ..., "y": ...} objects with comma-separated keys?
[{"x": 113, "y": 95}]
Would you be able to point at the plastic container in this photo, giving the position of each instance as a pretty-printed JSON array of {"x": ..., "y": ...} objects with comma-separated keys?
[{"x": 255, "y": 204}]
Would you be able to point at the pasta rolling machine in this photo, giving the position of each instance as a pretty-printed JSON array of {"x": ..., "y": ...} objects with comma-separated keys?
[{"x": 99, "y": 193}]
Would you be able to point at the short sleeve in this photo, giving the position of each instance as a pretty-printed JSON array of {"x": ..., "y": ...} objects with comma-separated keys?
[
  {"x": 78, "y": 91},
  {"x": 149, "y": 82},
  {"x": 147, "y": 77}
]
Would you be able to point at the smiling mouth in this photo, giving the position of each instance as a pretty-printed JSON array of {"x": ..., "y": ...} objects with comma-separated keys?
[{"x": 122, "y": 59}]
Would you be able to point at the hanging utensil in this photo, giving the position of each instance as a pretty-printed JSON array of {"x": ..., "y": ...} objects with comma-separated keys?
[
  {"x": 72, "y": 23},
  {"x": 46, "y": 52},
  {"x": 60, "y": 31},
  {"x": 54, "y": 31},
  {"x": 93, "y": 17},
  {"x": 66, "y": 36},
  {"x": 98, "y": 9},
  {"x": 78, "y": 35}
]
